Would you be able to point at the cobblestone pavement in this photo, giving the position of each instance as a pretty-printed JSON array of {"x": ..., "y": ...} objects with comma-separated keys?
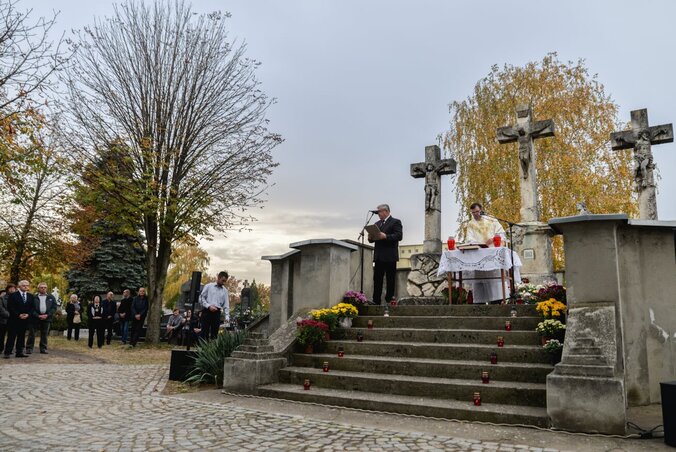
[{"x": 111, "y": 407}]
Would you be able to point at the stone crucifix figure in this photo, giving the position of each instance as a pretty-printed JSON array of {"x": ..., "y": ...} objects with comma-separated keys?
[
  {"x": 640, "y": 137},
  {"x": 432, "y": 169},
  {"x": 525, "y": 131}
]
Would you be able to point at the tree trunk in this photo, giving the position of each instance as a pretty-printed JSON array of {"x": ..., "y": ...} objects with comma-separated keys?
[{"x": 157, "y": 267}]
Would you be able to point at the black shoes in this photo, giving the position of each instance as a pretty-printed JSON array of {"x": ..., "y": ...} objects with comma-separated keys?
[
  {"x": 5, "y": 356},
  {"x": 21, "y": 356},
  {"x": 44, "y": 352},
  {"x": 29, "y": 351}
]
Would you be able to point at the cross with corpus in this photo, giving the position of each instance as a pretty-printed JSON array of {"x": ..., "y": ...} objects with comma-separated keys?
[
  {"x": 432, "y": 169},
  {"x": 640, "y": 137},
  {"x": 525, "y": 131}
]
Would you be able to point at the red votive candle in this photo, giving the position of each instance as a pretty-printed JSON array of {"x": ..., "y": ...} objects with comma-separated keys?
[
  {"x": 369, "y": 324},
  {"x": 501, "y": 341},
  {"x": 494, "y": 358},
  {"x": 484, "y": 377},
  {"x": 497, "y": 241},
  {"x": 306, "y": 385},
  {"x": 341, "y": 352},
  {"x": 393, "y": 302},
  {"x": 325, "y": 367},
  {"x": 508, "y": 325},
  {"x": 477, "y": 399},
  {"x": 360, "y": 336},
  {"x": 451, "y": 243}
]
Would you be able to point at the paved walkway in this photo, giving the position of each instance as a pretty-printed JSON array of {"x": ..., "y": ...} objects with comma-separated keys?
[{"x": 110, "y": 407}]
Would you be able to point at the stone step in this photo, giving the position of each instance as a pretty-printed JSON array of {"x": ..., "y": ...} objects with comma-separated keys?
[
  {"x": 501, "y": 392},
  {"x": 521, "y": 372},
  {"x": 448, "y": 322},
  {"x": 256, "y": 348},
  {"x": 421, "y": 406},
  {"x": 472, "y": 310},
  {"x": 440, "y": 336},
  {"x": 465, "y": 352}
]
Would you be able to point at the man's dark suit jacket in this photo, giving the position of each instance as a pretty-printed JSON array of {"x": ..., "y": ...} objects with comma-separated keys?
[
  {"x": 109, "y": 308},
  {"x": 139, "y": 306},
  {"x": 16, "y": 306},
  {"x": 387, "y": 250},
  {"x": 51, "y": 306}
]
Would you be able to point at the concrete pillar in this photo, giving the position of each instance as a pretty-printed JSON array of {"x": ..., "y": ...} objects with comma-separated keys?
[
  {"x": 280, "y": 287},
  {"x": 324, "y": 272}
]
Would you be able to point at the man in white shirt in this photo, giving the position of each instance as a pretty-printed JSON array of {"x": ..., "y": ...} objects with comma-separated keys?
[
  {"x": 45, "y": 307},
  {"x": 215, "y": 300}
]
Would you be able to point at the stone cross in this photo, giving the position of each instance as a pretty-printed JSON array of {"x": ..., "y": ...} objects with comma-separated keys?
[
  {"x": 525, "y": 131},
  {"x": 640, "y": 137},
  {"x": 432, "y": 169}
]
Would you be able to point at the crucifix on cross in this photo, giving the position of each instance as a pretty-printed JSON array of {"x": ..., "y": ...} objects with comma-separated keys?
[
  {"x": 432, "y": 169},
  {"x": 640, "y": 137},
  {"x": 525, "y": 131}
]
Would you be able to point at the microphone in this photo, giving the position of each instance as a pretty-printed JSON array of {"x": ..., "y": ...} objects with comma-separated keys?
[{"x": 375, "y": 212}]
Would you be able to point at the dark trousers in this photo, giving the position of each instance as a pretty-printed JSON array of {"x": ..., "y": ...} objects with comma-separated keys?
[
  {"x": 108, "y": 326},
  {"x": 3, "y": 333},
  {"x": 42, "y": 326},
  {"x": 210, "y": 323},
  {"x": 73, "y": 326},
  {"x": 136, "y": 328},
  {"x": 389, "y": 271},
  {"x": 95, "y": 326},
  {"x": 124, "y": 330},
  {"x": 16, "y": 335}
]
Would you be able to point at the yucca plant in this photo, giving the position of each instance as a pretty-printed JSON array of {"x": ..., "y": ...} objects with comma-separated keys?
[{"x": 208, "y": 365}]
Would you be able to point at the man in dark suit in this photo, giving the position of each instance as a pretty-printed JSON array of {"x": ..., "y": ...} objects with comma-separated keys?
[
  {"x": 386, "y": 253},
  {"x": 43, "y": 311},
  {"x": 109, "y": 309},
  {"x": 139, "y": 310},
  {"x": 20, "y": 305}
]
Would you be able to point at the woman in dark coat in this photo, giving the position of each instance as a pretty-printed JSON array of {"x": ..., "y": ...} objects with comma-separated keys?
[{"x": 73, "y": 307}]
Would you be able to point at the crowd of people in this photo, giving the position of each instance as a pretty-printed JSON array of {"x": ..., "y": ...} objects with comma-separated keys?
[{"x": 23, "y": 315}]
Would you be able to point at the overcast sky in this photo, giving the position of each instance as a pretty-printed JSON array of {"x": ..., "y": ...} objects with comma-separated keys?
[{"x": 363, "y": 86}]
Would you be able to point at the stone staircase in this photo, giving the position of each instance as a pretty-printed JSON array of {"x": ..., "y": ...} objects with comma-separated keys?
[{"x": 427, "y": 360}]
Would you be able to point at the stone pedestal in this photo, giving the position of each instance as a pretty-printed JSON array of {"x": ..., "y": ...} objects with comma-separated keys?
[
  {"x": 252, "y": 364},
  {"x": 533, "y": 243},
  {"x": 422, "y": 279}
]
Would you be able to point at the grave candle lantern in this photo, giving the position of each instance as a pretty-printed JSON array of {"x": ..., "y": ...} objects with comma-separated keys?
[
  {"x": 325, "y": 367},
  {"x": 508, "y": 326},
  {"x": 477, "y": 399},
  {"x": 513, "y": 312},
  {"x": 341, "y": 352},
  {"x": 306, "y": 385},
  {"x": 501, "y": 341},
  {"x": 484, "y": 377},
  {"x": 494, "y": 358},
  {"x": 360, "y": 336},
  {"x": 369, "y": 324}
]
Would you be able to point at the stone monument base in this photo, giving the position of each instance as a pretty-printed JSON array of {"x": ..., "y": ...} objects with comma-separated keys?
[
  {"x": 422, "y": 279},
  {"x": 422, "y": 301},
  {"x": 533, "y": 243}
]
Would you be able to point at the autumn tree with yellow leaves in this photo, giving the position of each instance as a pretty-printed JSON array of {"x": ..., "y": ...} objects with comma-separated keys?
[{"x": 576, "y": 165}]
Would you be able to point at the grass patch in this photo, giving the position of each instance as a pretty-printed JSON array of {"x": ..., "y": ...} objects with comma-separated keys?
[{"x": 115, "y": 353}]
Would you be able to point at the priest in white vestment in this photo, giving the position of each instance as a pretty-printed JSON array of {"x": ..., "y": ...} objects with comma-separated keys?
[{"x": 482, "y": 229}]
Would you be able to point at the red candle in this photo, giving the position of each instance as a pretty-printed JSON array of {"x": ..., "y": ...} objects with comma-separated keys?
[
  {"x": 393, "y": 302},
  {"x": 501, "y": 341},
  {"x": 484, "y": 377},
  {"x": 451, "y": 243},
  {"x": 477, "y": 399},
  {"x": 325, "y": 367},
  {"x": 497, "y": 240},
  {"x": 369, "y": 324},
  {"x": 508, "y": 326},
  {"x": 341, "y": 352},
  {"x": 494, "y": 358},
  {"x": 360, "y": 336},
  {"x": 306, "y": 385}
]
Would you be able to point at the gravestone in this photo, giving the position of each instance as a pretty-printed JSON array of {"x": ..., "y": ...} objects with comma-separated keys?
[
  {"x": 423, "y": 279},
  {"x": 532, "y": 238},
  {"x": 640, "y": 138}
]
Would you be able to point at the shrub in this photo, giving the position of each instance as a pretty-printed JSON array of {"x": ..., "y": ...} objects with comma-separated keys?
[
  {"x": 355, "y": 298},
  {"x": 553, "y": 346},
  {"x": 550, "y": 328},
  {"x": 551, "y": 308},
  {"x": 311, "y": 332},
  {"x": 208, "y": 365}
]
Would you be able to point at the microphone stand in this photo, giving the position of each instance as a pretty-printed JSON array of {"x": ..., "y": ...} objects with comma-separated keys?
[
  {"x": 510, "y": 224},
  {"x": 361, "y": 250}
]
